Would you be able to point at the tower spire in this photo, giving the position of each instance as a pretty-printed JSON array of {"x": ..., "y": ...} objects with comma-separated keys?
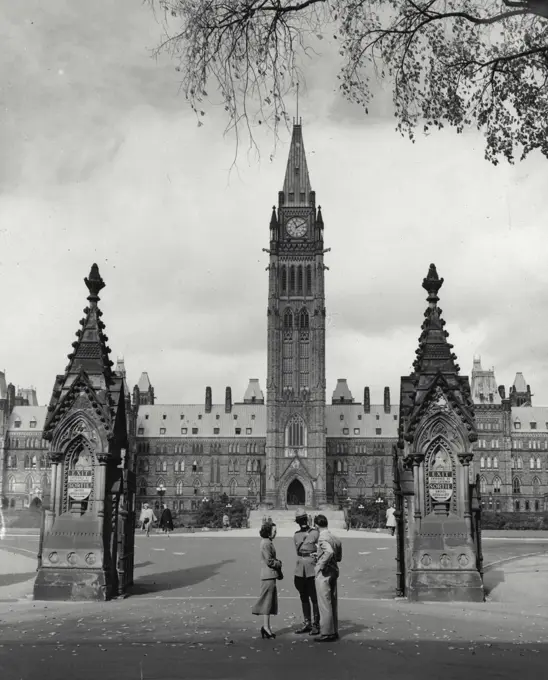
[
  {"x": 434, "y": 351},
  {"x": 297, "y": 189}
]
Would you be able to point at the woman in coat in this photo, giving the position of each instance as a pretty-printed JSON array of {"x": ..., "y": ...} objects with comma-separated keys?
[
  {"x": 390, "y": 519},
  {"x": 271, "y": 571},
  {"x": 166, "y": 520}
]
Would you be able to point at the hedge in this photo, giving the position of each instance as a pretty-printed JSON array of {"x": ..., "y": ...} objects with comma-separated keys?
[{"x": 514, "y": 520}]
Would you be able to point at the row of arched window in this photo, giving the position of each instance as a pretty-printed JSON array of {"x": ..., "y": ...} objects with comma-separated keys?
[
  {"x": 517, "y": 463},
  {"x": 30, "y": 484},
  {"x": 296, "y": 280},
  {"x": 516, "y": 485},
  {"x": 299, "y": 321},
  {"x": 30, "y": 462},
  {"x": 28, "y": 443},
  {"x": 252, "y": 486}
]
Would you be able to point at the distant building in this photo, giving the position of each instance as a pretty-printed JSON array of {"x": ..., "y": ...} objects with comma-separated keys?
[{"x": 511, "y": 454}]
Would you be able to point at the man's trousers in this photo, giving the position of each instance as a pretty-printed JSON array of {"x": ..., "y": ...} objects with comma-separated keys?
[
  {"x": 307, "y": 592},
  {"x": 326, "y": 590}
]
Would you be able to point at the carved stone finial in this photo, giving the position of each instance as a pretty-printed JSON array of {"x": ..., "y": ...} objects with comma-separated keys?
[
  {"x": 432, "y": 283},
  {"x": 94, "y": 283}
]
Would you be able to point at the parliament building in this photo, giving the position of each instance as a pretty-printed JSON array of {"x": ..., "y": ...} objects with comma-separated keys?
[{"x": 289, "y": 447}]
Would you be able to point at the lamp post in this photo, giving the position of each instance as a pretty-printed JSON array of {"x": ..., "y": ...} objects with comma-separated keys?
[
  {"x": 161, "y": 490},
  {"x": 379, "y": 502}
]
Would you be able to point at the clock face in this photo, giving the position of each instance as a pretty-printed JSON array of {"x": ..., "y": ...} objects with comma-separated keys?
[{"x": 296, "y": 227}]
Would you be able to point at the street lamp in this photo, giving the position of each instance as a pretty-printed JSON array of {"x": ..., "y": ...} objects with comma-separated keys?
[
  {"x": 161, "y": 490},
  {"x": 379, "y": 502}
]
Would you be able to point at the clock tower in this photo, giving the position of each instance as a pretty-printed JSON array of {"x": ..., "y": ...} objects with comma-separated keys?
[{"x": 296, "y": 437}]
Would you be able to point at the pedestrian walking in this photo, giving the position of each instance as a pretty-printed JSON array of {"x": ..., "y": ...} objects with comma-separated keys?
[
  {"x": 306, "y": 543},
  {"x": 226, "y": 522},
  {"x": 390, "y": 518},
  {"x": 146, "y": 518},
  {"x": 327, "y": 573},
  {"x": 166, "y": 520},
  {"x": 271, "y": 571}
]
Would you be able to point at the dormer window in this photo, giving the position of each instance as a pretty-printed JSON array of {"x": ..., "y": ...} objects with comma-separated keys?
[
  {"x": 141, "y": 430},
  {"x": 359, "y": 416},
  {"x": 341, "y": 416},
  {"x": 162, "y": 430},
  {"x": 235, "y": 417},
  {"x": 199, "y": 416},
  {"x": 252, "y": 416},
  {"x": 378, "y": 416},
  {"x": 533, "y": 426},
  {"x": 146, "y": 416},
  {"x": 33, "y": 424},
  {"x": 517, "y": 425},
  {"x": 182, "y": 416},
  {"x": 164, "y": 417},
  {"x": 217, "y": 417},
  {"x": 17, "y": 423},
  {"x": 345, "y": 430}
]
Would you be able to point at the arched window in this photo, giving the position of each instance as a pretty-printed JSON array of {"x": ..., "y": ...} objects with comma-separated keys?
[
  {"x": 284, "y": 280},
  {"x": 288, "y": 320},
  {"x": 516, "y": 486},
  {"x": 495, "y": 463},
  {"x": 538, "y": 462},
  {"x": 482, "y": 462},
  {"x": 11, "y": 484},
  {"x": 361, "y": 488},
  {"x": 520, "y": 462},
  {"x": 249, "y": 467},
  {"x": 142, "y": 487},
  {"x": 295, "y": 432},
  {"x": 179, "y": 487},
  {"x": 536, "y": 486},
  {"x": 27, "y": 462},
  {"x": 164, "y": 466},
  {"x": 512, "y": 462},
  {"x": 292, "y": 280},
  {"x": 303, "y": 320},
  {"x": 309, "y": 280},
  {"x": 300, "y": 280},
  {"x": 488, "y": 461},
  {"x": 532, "y": 463},
  {"x": 483, "y": 485},
  {"x": 233, "y": 487},
  {"x": 496, "y": 485}
]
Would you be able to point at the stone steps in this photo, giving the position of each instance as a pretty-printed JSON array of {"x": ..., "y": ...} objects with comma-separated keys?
[{"x": 285, "y": 519}]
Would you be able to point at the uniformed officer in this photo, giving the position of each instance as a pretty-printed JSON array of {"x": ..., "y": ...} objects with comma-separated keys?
[{"x": 306, "y": 539}]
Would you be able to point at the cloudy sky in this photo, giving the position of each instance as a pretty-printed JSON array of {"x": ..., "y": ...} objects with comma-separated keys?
[{"x": 103, "y": 162}]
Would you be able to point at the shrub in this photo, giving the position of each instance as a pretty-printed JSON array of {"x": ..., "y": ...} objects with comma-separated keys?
[
  {"x": 514, "y": 520},
  {"x": 367, "y": 516}
]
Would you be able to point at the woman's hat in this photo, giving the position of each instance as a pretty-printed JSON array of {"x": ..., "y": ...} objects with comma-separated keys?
[{"x": 301, "y": 514}]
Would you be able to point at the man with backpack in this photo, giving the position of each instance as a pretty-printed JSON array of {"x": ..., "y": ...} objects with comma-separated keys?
[{"x": 327, "y": 573}]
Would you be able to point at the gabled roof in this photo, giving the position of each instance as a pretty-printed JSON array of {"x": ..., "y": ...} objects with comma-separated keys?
[
  {"x": 297, "y": 181},
  {"x": 526, "y": 415},
  {"x": 25, "y": 415}
]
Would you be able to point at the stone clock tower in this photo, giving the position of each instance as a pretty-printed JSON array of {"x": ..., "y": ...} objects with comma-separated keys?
[{"x": 295, "y": 437}]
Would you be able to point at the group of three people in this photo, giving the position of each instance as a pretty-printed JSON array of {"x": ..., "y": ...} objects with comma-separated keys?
[{"x": 316, "y": 574}]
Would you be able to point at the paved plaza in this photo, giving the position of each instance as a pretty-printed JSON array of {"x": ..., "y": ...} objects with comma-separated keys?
[{"x": 190, "y": 615}]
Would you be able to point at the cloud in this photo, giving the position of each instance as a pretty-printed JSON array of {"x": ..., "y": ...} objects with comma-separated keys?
[{"x": 110, "y": 166}]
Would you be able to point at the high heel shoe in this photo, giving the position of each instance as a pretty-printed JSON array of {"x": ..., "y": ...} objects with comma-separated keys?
[{"x": 266, "y": 634}]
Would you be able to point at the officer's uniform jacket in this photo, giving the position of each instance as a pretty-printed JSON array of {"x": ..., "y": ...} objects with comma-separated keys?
[{"x": 305, "y": 544}]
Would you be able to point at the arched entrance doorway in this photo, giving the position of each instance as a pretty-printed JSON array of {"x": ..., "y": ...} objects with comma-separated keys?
[{"x": 296, "y": 494}]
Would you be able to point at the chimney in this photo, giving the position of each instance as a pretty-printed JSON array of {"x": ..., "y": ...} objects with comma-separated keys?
[
  {"x": 366, "y": 401},
  {"x": 387, "y": 400},
  {"x": 228, "y": 400},
  {"x": 502, "y": 392},
  {"x": 208, "y": 400}
]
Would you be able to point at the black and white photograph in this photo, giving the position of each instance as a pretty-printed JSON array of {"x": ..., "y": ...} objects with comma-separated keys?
[{"x": 274, "y": 356}]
